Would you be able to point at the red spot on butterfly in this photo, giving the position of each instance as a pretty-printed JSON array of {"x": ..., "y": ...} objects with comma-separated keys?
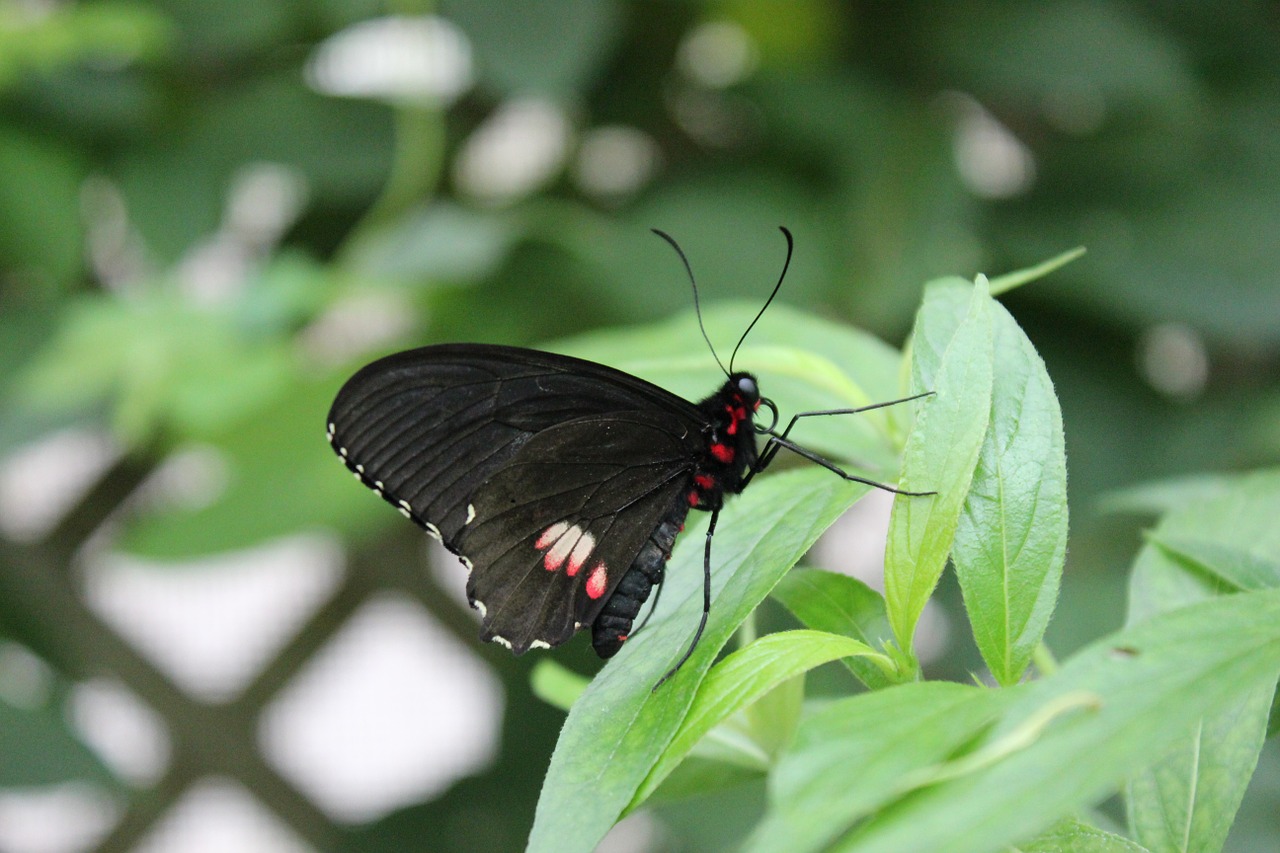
[
  {"x": 693, "y": 497},
  {"x": 622, "y": 638},
  {"x": 598, "y": 582},
  {"x": 737, "y": 415},
  {"x": 704, "y": 481},
  {"x": 722, "y": 452}
]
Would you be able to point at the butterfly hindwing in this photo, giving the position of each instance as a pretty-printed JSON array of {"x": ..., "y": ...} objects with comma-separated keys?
[{"x": 556, "y": 528}]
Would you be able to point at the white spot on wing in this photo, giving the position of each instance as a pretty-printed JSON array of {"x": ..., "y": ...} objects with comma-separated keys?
[
  {"x": 471, "y": 514},
  {"x": 479, "y": 605},
  {"x": 342, "y": 451},
  {"x": 502, "y": 641},
  {"x": 560, "y": 551},
  {"x": 539, "y": 644},
  {"x": 405, "y": 509},
  {"x": 580, "y": 553},
  {"x": 551, "y": 534},
  {"x": 332, "y": 430},
  {"x": 466, "y": 562},
  {"x": 433, "y": 531}
]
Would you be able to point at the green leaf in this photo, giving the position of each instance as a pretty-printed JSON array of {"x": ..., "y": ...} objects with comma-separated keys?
[
  {"x": 839, "y": 604},
  {"x": 1230, "y": 531},
  {"x": 1187, "y": 801},
  {"x": 803, "y": 363},
  {"x": 619, "y": 728},
  {"x": 40, "y": 185},
  {"x": 744, "y": 677},
  {"x": 1151, "y": 683},
  {"x": 1004, "y": 283},
  {"x": 1221, "y": 543},
  {"x": 171, "y": 369},
  {"x": 282, "y": 476},
  {"x": 852, "y": 757},
  {"x": 1011, "y": 539},
  {"x": 37, "y": 747},
  {"x": 555, "y": 48},
  {"x": 1160, "y": 496},
  {"x": 1239, "y": 568},
  {"x": 941, "y": 452},
  {"x": 556, "y": 684},
  {"x": 1074, "y": 836}
]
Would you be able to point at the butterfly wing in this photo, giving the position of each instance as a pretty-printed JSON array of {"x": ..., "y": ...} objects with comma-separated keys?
[
  {"x": 527, "y": 465},
  {"x": 555, "y": 529},
  {"x": 427, "y": 427}
]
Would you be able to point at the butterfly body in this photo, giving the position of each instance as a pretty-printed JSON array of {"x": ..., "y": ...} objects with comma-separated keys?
[{"x": 560, "y": 483}]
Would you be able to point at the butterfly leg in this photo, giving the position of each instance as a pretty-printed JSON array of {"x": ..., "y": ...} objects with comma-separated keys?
[
  {"x": 706, "y": 599},
  {"x": 777, "y": 441}
]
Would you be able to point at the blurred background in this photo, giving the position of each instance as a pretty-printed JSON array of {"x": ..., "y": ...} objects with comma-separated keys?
[{"x": 212, "y": 212}]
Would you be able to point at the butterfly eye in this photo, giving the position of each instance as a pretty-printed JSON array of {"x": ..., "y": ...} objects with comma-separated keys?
[{"x": 747, "y": 387}]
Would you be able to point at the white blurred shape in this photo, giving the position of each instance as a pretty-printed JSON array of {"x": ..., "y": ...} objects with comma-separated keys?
[
  {"x": 992, "y": 162},
  {"x": 218, "y": 816},
  {"x": 855, "y": 546},
  {"x": 264, "y": 199},
  {"x": 128, "y": 735},
  {"x": 425, "y": 59},
  {"x": 717, "y": 54},
  {"x": 519, "y": 148},
  {"x": 190, "y": 478},
  {"x": 357, "y": 324},
  {"x": 615, "y": 160},
  {"x": 56, "y": 819},
  {"x": 1172, "y": 358},
  {"x": 211, "y": 624},
  {"x": 391, "y": 712},
  {"x": 41, "y": 481}
]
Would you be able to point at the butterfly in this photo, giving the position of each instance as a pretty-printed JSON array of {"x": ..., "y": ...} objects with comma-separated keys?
[{"x": 561, "y": 484}]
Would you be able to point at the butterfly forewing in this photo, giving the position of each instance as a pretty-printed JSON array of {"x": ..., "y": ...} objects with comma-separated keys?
[{"x": 425, "y": 428}]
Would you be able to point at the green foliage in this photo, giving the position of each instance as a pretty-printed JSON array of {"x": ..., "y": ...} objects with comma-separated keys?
[
  {"x": 40, "y": 748},
  {"x": 198, "y": 244},
  {"x": 940, "y": 766}
]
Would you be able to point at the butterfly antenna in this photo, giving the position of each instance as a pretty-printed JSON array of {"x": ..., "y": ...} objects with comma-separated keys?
[
  {"x": 785, "y": 264},
  {"x": 697, "y": 308}
]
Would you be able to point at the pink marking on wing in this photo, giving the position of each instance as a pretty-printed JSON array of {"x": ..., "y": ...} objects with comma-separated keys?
[
  {"x": 555, "y": 557},
  {"x": 580, "y": 553},
  {"x": 551, "y": 534},
  {"x": 598, "y": 582}
]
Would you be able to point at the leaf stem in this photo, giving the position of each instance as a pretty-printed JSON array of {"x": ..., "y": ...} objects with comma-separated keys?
[{"x": 1044, "y": 660}]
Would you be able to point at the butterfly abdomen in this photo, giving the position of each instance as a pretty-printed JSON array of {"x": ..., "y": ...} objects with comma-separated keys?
[{"x": 613, "y": 624}]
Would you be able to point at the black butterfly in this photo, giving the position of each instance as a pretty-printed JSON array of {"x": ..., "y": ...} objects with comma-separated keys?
[{"x": 560, "y": 483}]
